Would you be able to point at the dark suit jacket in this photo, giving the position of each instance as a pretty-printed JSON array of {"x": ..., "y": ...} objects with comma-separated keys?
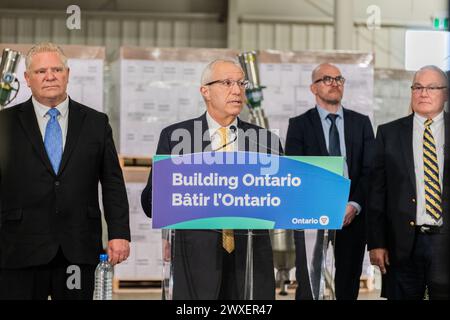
[
  {"x": 392, "y": 205},
  {"x": 305, "y": 137},
  {"x": 197, "y": 255},
  {"x": 42, "y": 211}
]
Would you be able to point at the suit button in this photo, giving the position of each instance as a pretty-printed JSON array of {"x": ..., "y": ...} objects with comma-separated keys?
[
  {"x": 57, "y": 183},
  {"x": 56, "y": 211},
  {"x": 412, "y": 223},
  {"x": 413, "y": 200}
]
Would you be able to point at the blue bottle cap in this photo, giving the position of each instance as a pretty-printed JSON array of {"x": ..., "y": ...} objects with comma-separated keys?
[{"x": 103, "y": 257}]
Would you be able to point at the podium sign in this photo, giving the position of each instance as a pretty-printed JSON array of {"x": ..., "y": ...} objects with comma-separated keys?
[{"x": 245, "y": 190}]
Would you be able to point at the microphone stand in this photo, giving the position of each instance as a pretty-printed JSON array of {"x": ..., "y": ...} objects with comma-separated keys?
[
  {"x": 233, "y": 130},
  {"x": 248, "y": 283}
]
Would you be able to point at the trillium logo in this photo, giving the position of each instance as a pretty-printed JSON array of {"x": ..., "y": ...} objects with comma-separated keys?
[{"x": 324, "y": 220}]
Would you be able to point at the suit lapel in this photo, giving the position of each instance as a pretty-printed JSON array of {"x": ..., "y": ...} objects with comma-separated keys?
[
  {"x": 205, "y": 136},
  {"x": 318, "y": 131},
  {"x": 29, "y": 123},
  {"x": 348, "y": 134},
  {"x": 406, "y": 138},
  {"x": 446, "y": 178},
  {"x": 245, "y": 145},
  {"x": 74, "y": 125}
]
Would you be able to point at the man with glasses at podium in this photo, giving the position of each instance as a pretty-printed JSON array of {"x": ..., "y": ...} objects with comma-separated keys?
[{"x": 211, "y": 264}]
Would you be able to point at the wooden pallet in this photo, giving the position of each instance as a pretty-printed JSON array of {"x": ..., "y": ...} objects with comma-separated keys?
[
  {"x": 366, "y": 284},
  {"x": 138, "y": 286},
  {"x": 134, "y": 162}
]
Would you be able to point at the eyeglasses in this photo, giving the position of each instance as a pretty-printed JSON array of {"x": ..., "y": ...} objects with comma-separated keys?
[
  {"x": 428, "y": 90},
  {"x": 243, "y": 84},
  {"x": 340, "y": 80}
]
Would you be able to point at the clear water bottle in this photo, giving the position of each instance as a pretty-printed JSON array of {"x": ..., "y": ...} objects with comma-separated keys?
[{"x": 103, "y": 279}]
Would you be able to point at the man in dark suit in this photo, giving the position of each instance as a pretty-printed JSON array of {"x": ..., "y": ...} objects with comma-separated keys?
[
  {"x": 408, "y": 217},
  {"x": 53, "y": 154},
  {"x": 204, "y": 266},
  {"x": 330, "y": 130}
]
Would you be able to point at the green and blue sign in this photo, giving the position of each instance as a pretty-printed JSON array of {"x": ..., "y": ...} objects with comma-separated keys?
[{"x": 245, "y": 190}]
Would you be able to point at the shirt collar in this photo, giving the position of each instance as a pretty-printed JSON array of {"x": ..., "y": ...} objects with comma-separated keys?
[
  {"x": 439, "y": 118},
  {"x": 323, "y": 113},
  {"x": 42, "y": 110},
  {"x": 213, "y": 126}
]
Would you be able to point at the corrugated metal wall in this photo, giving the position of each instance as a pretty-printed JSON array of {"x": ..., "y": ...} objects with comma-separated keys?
[
  {"x": 387, "y": 42},
  {"x": 198, "y": 30},
  {"x": 114, "y": 29}
]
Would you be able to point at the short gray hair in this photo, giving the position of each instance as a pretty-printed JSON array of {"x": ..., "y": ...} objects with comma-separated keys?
[
  {"x": 45, "y": 47},
  {"x": 443, "y": 74},
  {"x": 207, "y": 72}
]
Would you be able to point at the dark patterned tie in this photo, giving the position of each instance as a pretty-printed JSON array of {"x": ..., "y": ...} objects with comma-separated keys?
[
  {"x": 334, "y": 146},
  {"x": 433, "y": 201}
]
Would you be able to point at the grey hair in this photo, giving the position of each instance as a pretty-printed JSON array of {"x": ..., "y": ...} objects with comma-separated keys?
[
  {"x": 207, "y": 72},
  {"x": 443, "y": 74},
  {"x": 45, "y": 47}
]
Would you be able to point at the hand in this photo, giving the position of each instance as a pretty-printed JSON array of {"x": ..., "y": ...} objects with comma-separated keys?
[
  {"x": 350, "y": 214},
  {"x": 166, "y": 250},
  {"x": 118, "y": 250},
  {"x": 379, "y": 257}
]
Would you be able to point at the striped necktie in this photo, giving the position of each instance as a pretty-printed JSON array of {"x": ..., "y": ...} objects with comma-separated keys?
[
  {"x": 433, "y": 200},
  {"x": 227, "y": 234}
]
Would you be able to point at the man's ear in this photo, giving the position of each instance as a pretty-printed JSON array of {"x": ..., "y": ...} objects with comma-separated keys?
[
  {"x": 204, "y": 91},
  {"x": 313, "y": 88},
  {"x": 27, "y": 78}
]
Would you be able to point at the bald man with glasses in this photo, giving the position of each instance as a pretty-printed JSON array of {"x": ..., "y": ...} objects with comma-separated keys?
[{"x": 328, "y": 129}]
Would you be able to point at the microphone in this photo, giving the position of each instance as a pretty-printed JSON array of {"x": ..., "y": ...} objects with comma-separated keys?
[
  {"x": 10, "y": 60},
  {"x": 267, "y": 148},
  {"x": 233, "y": 130}
]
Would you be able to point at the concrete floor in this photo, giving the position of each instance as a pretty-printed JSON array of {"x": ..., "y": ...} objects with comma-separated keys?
[{"x": 155, "y": 294}]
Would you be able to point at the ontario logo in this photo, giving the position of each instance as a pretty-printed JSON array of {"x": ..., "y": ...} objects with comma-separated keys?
[{"x": 323, "y": 220}]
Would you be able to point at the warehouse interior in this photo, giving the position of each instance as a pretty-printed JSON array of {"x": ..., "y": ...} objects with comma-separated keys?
[{"x": 140, "y": 62}]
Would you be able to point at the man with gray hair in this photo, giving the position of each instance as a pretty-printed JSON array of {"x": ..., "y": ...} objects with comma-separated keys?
[
  {"x": 54, "y": 152},
  {"x": 210, "y": 264},
  {"x": 408, "y": 218}
]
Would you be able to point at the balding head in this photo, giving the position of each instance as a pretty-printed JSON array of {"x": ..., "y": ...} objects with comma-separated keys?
[
  {"x": 322, "y": 69},
  {"x": 327, "y": 86},
  {"x": 442, "y": 75}
]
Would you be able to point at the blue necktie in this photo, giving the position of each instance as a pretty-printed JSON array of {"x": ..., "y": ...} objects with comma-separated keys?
[
  {"x": 53, "y": 139},
  {"x": 334, "y": 146}
]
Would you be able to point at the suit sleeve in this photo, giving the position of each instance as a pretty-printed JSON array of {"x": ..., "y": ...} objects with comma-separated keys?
[
  {"x": 295, "y": 145},
  {"x": 146, "y": 196},
  {"x": 361, "y": 189},
  {"x": 115, "y": 201},
  {"x": 376, "y": 217},
  {"x": 275, "y": 145}
]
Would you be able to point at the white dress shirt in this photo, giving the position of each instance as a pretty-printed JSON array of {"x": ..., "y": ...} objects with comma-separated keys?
[
  {"x": 216, "y": 141},
  {"x": 437, "y": 128}
]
